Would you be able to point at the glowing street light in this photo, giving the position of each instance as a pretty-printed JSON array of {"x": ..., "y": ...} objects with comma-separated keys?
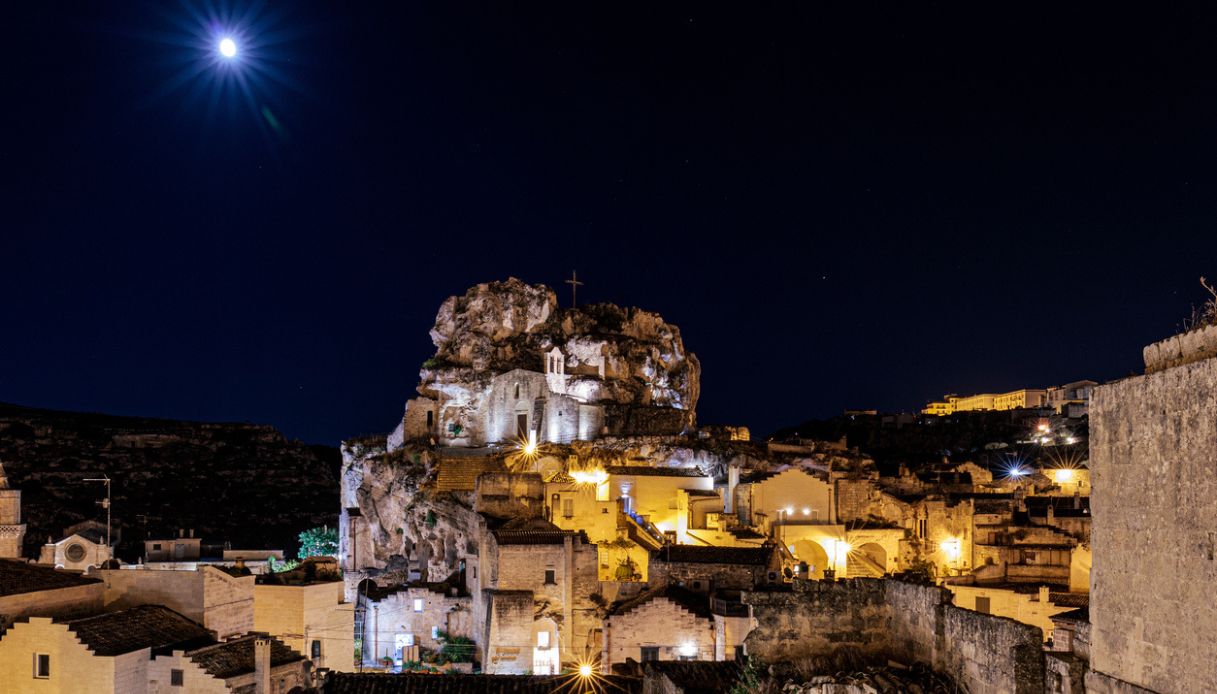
[
  {"x": 228, "y": 47},
  {"x": 586, "y": 670}
]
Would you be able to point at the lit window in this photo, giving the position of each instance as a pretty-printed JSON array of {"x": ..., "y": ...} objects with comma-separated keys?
[
  {"x": 42, "y": 665},
  {"x": 176, "y": 678},
  {"x": 434, "y": 632},
  {"x": 418, "y": 604},
  {"x": 543, "y": 639}
]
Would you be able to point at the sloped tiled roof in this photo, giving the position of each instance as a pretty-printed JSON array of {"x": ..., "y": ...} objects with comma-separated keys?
[
  {"x": 697, "y": 677},
  {"x": 19, "y": 577},
  {"x": 533, "y": 531},
  {"x": 698, "y": 554},
  {"x": 236, "y": 657},
  {"x": 381, "y": 683},
  {"x": 696, "y": 603},
  {"x": 146, "y": 626}
]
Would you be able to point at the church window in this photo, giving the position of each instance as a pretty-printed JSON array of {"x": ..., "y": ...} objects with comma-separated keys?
[
  {"x": 517, "y": 391},
  {"x": 42, "y": 665},
  {"x": 418, "y": 604},
  {"x": 75, "y": 552},
  {"x": 176, "y": 678}
]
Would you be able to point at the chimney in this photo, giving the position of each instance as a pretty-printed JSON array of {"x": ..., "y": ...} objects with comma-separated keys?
[
  {"x": 181, "y": 532},
  {"x": 192, "y": 532},
  {"x": 262, "y": 665}
]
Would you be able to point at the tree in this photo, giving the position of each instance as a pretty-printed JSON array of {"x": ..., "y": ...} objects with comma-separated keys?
[{"x": 318, "y": 542}]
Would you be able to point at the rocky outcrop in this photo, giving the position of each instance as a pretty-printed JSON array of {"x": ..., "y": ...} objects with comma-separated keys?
[
  {"x": 626, "y": 356},
  {"x": 403, "y": 524},
  {"x": 214, "y": 478}
]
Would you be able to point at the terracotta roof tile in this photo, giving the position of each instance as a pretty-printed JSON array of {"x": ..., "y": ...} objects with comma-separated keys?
[
  {"x": 21, "y": 577},
  {"x": 146, "y": 626}
]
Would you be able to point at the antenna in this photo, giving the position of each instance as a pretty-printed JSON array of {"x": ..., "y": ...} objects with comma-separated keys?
[{"x": 106, "y": 505}]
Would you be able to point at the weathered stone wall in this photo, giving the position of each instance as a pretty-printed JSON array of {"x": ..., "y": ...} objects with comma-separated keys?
[
  {"x": 819, "y": 617},
  {"x": 991, "y": 654},
  {"x": 1153, "y": 440},
  {"x": 659, "y": 623},
  {"x": 510, "y": 495},
  {"x": 885, "y": 618}
]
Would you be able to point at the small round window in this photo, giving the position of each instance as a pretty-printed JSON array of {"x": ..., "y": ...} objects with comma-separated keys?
[{"x": 75, "y": 552}]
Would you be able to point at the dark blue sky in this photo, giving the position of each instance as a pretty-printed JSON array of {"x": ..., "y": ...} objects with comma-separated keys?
[{"x": 839, "y": 210}]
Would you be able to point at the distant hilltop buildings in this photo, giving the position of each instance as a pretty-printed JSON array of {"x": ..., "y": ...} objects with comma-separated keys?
[{"x": 1070, "y": 400}]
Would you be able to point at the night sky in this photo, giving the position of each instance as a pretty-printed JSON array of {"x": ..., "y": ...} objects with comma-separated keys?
[{"x": 839, "y": 211}]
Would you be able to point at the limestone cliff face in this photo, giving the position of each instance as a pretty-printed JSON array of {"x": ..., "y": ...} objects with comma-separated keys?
[
  {"x": 404, "y": 526},
  {"x": 620, "y": 355}
]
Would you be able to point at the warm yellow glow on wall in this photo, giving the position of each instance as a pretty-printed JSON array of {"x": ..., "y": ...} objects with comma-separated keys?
[
  {"x": 596, "y": 476},
  {"x": 1063, "y": 475},
  {"x": 952, "y": 548}
]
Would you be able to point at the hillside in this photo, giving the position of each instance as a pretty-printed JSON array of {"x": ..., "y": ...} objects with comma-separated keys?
[{"x": 241, "y": 483}]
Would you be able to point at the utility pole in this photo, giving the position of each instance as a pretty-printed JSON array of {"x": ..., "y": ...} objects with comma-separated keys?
[{"x": 106, "y": 504}]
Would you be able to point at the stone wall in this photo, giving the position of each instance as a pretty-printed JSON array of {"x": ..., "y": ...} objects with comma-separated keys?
[
  {"x": 509, "y": 495},
  {"x": 1153, "y": 440},
  {"x": 663, "y": 624},
  {"x": 907, "y": 622}
]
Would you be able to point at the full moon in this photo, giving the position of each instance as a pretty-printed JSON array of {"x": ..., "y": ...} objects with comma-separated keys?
[{"x": 228, "y": 48}]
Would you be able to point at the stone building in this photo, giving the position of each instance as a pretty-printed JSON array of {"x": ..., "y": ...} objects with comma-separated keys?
[
  {"x": 219, "y": 599},
  {"x": 533, "y": 605},
  {"x": 180, "y": 547},
  {"x": 83, "y": 546},
  {"x": 665, "y": 623},
  {"x": 306, "y": 608},
  {"x": 254, "y": 663},
  {"x": 32, "y": 590},
  {"x": 1153, "y": 440},
  {"x": 108, "y": 653},
  {"x": 12, "y": 530},
  {"x": 399, "y": 622}
]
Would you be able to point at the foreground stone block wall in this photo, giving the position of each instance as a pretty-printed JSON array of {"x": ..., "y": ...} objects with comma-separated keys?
[
  {"x": 885, "y": 618},
  {"x": 1153, "y": 460}
]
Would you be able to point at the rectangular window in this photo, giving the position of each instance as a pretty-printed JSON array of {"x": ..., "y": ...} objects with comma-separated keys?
[
  {"x": 568, "y": 508},
  {"x": 542, "y": 639},
  {"x": 316, "y": 648},
  {"x": 42, "y": 665},
  {"x": 434, "y": 632},
  {"x": 176, "y": 678},
  {"x": 156, "y": 546},
  {"x": 418, "y": 604},
  {"x": 650, "y": 653},
  {"x": 549, "y": 577}
]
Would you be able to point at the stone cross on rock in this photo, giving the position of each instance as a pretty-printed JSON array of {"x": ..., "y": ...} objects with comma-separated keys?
[{"x": 574, "y": 287}]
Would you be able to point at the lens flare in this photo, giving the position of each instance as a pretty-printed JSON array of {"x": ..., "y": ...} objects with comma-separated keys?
[{"x": 228, "y": 47}]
